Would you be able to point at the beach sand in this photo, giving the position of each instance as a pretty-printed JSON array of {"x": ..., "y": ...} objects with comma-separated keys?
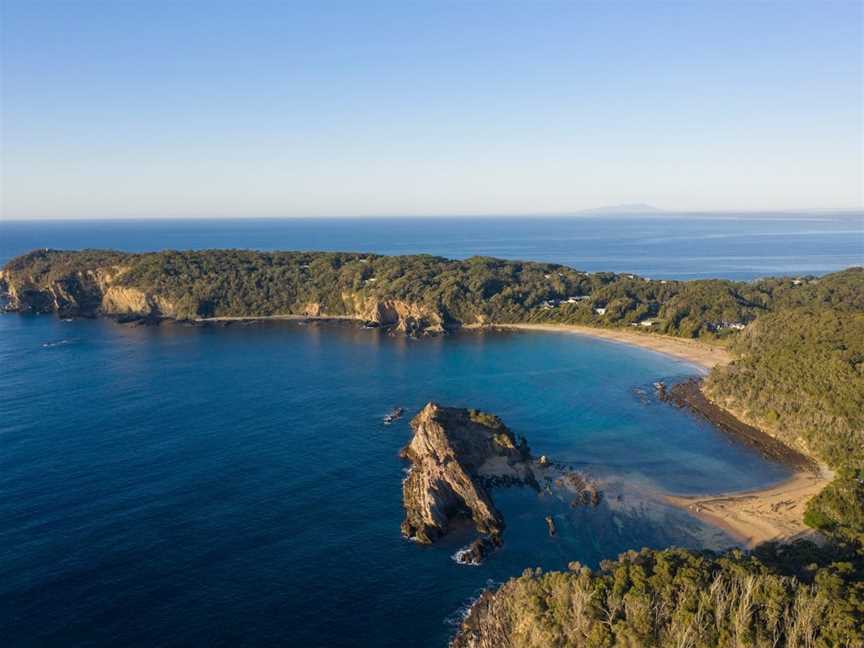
[
  {"x": 698, "y": 353},
  {"x": 753, "y": 517}
]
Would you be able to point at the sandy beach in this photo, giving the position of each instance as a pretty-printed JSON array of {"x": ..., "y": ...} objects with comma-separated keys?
[
  {"x": 699, "y": 353},
  {"x": 775, "y": 513},
  {"x": 755, "y": 516}
]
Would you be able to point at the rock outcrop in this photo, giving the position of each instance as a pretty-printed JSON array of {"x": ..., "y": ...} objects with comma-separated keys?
[
  {"x": 105, "y": 291},
  {"x": 398, "y": 315},
  {"x": 455, "y": 455}
]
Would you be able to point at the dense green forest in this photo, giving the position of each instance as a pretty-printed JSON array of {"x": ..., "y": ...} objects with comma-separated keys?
[
  {"x": 480, "y": 289},
  {"x": 799, "y": 375},
  {"x": 800, "y": 372},
  {"x": 796, "y": 596}
]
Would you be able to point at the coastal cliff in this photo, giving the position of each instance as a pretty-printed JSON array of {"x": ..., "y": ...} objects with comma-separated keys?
[
  {"x": 39, "y": 283},
  {"x": 416, "y": 295},
  {"x": 455, "y": 455}
]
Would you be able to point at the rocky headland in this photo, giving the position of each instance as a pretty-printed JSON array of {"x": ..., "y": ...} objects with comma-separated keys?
[{"x": 457, "y": 455}]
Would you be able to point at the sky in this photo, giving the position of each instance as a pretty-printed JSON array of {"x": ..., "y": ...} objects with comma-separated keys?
[{"x": 228, "y": 109}]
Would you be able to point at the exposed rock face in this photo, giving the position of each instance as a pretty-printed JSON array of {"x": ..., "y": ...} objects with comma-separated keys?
[
  {"x": 476, "y": 552},
  {"x": 100, "y": 291},
  {"x": 550, "y": 523},
  {"x": 77, "y": 294},
  {"x": 455, "y": 454},
  {"x": 404, "y": 317},
  {"x": 118, "y": 300}
]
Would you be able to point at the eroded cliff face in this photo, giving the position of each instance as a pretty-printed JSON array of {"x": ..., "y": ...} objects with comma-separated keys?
[
  {"x": 400, "y": 315},
  {"x": 455, "y": 455},
  {"x": 119, "y": 300},
  {"x": 83, "y": 294},
  {"x": 98, "y": 292},
  {"x": 76, "y": 294}
]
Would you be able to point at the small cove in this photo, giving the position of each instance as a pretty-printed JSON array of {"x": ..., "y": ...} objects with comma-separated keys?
[{"x": 235, "y": 485}]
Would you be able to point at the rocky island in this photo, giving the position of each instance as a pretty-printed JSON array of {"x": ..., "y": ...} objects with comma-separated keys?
[{"x": 456, "y": 455}]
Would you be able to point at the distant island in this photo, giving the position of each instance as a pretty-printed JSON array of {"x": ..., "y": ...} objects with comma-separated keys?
[{"x": 786, "y": 357}]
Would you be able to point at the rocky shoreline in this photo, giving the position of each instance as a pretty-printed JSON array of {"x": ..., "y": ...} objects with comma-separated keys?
[
  {"x": 689, "y": 395},
  {"x": 457, "y": 456}
]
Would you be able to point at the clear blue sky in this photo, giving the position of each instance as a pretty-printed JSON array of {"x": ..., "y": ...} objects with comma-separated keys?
[{"x": 172, "y": 108}]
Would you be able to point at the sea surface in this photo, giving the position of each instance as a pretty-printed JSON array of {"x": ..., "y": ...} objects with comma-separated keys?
[
  {"x": 235, "y": 485},
  {"x": 663, "y": 246}
]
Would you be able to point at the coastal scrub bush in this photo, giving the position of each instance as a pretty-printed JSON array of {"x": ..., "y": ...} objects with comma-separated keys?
[{"x": 674, "y": 597}]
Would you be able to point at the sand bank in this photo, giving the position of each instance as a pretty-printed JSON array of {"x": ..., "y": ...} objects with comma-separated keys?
[
  {"x": 775, "y": 513},
  {"x": 699, "y": 353},
  {"x": 755, "y": 516}
]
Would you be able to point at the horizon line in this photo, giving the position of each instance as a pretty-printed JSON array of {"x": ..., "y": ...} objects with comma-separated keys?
[{"x": 581, "y": 213}]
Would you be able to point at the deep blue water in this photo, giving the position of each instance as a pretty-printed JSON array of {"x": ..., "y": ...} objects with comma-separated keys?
[
  {"x": 660, "y": 246},
  {"x": 234, "y": 485}
]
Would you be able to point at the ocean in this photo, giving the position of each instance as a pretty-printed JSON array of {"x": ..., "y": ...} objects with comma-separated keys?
[
  {"x": 663, "y": 246},
  {"x": 232, "y": 486}
]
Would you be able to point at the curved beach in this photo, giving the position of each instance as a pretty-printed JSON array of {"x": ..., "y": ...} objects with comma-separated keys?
[
  {"x": 698, "y": 353},
  {"x": 754, "y": 516}
]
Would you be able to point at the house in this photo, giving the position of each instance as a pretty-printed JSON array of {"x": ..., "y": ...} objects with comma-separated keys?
[
  {"x": 600, "y": 311},
  {"x": 549, "y": 304},
  {"x": 735, "y": 326},
  {"x": 575, "y": 299},
  {"x": 647, "y": 323}
]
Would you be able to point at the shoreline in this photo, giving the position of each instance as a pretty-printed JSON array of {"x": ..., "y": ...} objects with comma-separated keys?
[
  {"x": 753, "y": 516},
  {"x": 775, "y": 513},
  {"x": 693, "y": 351},
  {"x": 690, "y": 395},
  {"x": 264, "y": 318},
  {"x": 698, "y": 353}
]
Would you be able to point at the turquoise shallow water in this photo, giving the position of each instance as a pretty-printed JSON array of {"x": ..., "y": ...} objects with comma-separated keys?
[{"x": 235, "y": 486}]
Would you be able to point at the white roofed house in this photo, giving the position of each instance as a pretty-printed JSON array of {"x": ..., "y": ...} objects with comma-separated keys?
[{"x": 601, "y": 310}]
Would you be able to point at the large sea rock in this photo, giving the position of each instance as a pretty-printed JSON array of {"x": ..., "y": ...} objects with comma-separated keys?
[{"x": 455, "y": 455}]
